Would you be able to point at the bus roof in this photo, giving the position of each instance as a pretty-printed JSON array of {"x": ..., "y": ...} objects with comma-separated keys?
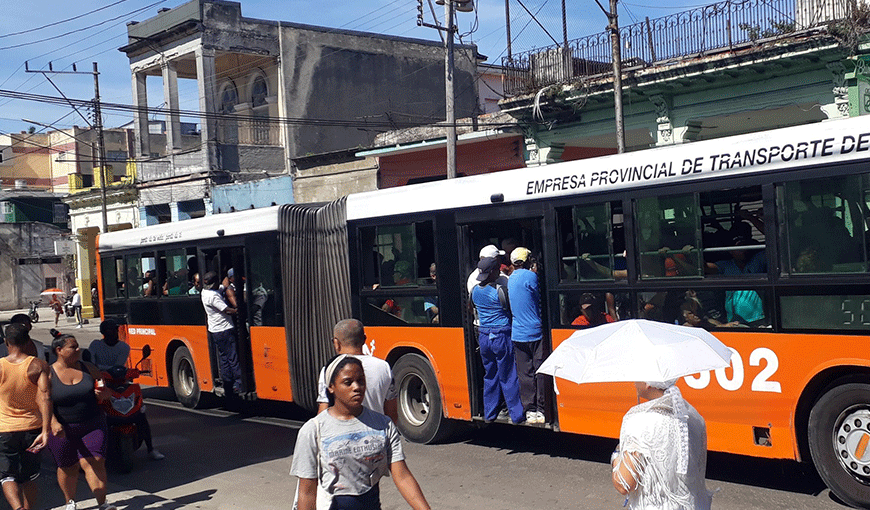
[
  {"x": 836, "y": 141},
  {"x": 237, "y": 223}
]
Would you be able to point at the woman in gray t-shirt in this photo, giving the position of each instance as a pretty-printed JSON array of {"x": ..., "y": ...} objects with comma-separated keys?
[{"x": 342, "y": 454}]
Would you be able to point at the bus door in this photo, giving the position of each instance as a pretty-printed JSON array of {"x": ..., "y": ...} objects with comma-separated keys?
[
  {"x": 505, "y": 235},
  {"x": 221, "y": 261}
]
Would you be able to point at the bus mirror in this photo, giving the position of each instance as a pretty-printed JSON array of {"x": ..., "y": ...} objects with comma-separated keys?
[{"x": 146, "y": 351}]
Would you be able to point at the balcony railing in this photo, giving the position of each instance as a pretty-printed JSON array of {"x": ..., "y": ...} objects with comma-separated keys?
[{"x": 702, "y": 30}]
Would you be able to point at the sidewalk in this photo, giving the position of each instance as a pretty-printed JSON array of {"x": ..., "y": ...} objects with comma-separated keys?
[{"x": 84, "y": 335}]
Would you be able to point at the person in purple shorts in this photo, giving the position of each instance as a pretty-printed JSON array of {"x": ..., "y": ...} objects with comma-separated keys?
[{"x": 79, "y": 430}]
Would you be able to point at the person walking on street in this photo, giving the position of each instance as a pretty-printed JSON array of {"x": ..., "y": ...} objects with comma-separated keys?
[
  {"x": 496, "y": 350},
  {"x": 79, "y": 431},
  {"x": 526, "y": 333},
  {"x": 222, "y": 332},
  {"x": 25, "y": 418},
  {"x": 56, "y": 306},
  {"x": 77, "y": 306},
  {"x": 661, "y": 459},
  {"x": 348, "y": 337},
  {"x": 341, "y": 454}
]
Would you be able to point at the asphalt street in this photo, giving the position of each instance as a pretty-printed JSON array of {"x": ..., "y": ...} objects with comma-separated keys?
[{"x": 222, "y": 460}]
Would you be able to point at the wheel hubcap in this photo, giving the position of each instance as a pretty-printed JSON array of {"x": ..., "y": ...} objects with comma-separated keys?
[
  {"x": 852, "y": 442},
  {"x": 185, "y": 377},
  {"x": 414, "y": 400}
]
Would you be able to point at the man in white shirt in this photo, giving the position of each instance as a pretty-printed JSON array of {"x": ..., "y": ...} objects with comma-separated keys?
[
  {"x": 77, "y": 305},
  {"x": 348, "y": 337},
  {"x": 222, "y": 332}
]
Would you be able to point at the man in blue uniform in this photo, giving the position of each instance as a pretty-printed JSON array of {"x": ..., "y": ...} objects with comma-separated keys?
[
  {"x": 496, "y": 350},
  {"x": 526, "y": 333}
]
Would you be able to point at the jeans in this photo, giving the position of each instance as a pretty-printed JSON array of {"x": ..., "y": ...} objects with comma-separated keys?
[
  {"x": 500, "y": 373},
  {"x": 228, "y": 359}
]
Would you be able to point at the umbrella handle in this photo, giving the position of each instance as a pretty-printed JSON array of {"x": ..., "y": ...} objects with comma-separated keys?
[{"x": 555, "y": 386}]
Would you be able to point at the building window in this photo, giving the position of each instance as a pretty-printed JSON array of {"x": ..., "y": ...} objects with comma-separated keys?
[
  {"x": 50, "y": 283},
  {"x": 259, "y": 92},
  {"x": 116, "y": 156}
]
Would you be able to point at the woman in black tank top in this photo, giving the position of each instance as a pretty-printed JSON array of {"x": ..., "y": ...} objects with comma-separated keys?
[{"x": 79, "y": 432}]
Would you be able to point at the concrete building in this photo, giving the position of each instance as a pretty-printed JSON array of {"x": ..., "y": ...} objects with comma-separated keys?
[
  {"x": 32, "y": 223},
  {"x": 267, "y": 93}
]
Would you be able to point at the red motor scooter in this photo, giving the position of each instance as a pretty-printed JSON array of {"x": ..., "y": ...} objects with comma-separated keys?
[{"x": 122, "y": 411}]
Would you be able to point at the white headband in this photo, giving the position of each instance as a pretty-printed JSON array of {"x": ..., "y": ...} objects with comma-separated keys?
[{"x": 330, "y": 369}]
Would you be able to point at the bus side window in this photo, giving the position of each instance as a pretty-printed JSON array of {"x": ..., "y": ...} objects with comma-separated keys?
[
  {"x": 826, "y": 224},
  {"x": 707, "y": 308},
  {"x": 112, "y": 281},
  {"x": 149, "y": 284},
  {"x": 668, "y": 237},
  {"x": 133, "y": 281},
  {"x": 592, "y": 243}
]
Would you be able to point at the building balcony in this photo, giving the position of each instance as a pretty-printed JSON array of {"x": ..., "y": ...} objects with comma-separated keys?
[{"x": 702, "y": 31}]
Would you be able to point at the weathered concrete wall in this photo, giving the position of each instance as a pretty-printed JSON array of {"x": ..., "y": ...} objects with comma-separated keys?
[
  {"x": 324, "y": 183},
  {"x": 252, "y": 194},
  {"x": 331, "y": 74},
  {"x": 22, "y": 282}
]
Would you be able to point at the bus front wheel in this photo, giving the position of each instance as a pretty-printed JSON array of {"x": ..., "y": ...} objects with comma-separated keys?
[
  {"x": 839, "y": 440},
  {"x": 184, "y": 378},
  {"x": 421, "y": 417}
]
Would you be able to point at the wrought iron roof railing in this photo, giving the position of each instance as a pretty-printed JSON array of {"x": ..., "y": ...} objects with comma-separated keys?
[{"x": 719, "y": 26}]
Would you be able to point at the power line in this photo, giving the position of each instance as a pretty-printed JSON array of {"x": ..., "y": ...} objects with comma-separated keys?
[
  {"x": 40, "y": 98},
  {"x": 84, "y": 28},
  {"x": 62, "y": 21}
]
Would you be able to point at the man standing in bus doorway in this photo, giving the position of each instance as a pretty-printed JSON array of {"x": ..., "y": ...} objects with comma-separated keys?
[
  {"x": 496, "y": 350},
  {"x": 349, "y": 337},
  {"x": 526, "y": 333},
  {"x": 222, "y": 332}
]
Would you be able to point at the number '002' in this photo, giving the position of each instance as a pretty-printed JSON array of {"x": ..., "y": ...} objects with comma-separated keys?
[{"x": 761, "y": 382}]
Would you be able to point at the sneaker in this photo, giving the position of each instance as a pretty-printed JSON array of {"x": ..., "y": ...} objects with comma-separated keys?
[
  {"x": 155, "y": 455},
  {"x": 70, "y": 505},
  {"x": 79, "y": 327},
  {"x": 503, "y": 415},
  {"x": 108, "y": 506},
  {"x": 531, "y": 417},
  {"x": 539, "y": 417}
]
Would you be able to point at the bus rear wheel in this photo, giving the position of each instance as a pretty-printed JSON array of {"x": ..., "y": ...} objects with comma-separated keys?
[
  {"x": 839, "y": 440},
  {"x": 184, "y": 378},
  {"x": 421, "y": 417}
]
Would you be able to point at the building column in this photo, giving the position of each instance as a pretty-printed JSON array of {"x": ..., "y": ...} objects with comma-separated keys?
[
  {"x": 205, "y": 80},
  {"x": 209, "y": 206},
  {"x": 140, "y": 115},
  {"x": 85, "y": 266},
  {"x": 170, "y": 97},
  {"x": 173, "y": 211},
  {"x": 540, "y": 154}
]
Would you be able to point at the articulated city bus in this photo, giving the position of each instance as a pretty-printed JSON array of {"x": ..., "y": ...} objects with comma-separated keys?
[{"x": 761, "y": 238}]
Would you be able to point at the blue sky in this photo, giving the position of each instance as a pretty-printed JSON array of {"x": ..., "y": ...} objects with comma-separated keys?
[{"x": 95, "y": 37}]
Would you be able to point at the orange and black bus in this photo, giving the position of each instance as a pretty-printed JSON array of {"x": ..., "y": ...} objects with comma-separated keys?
[{"x": 645, "y": 234}]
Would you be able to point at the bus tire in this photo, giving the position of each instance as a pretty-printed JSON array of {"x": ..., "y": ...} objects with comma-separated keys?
[
  {"x": 421, "y": 417},
  {"x": 184, "y": 379},
  {"x": 838, "y": 429}
]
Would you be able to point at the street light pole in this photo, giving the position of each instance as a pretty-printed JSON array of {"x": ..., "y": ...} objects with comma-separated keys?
[
  {"x": 448, "y": 93},
  {"x": 616, "y": 53}
]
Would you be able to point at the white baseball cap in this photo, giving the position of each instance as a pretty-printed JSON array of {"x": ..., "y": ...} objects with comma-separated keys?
[{"x": 490, "y": 250}]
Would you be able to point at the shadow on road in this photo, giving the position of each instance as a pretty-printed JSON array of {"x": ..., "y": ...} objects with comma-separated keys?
[{"x": 784, "y": 475}]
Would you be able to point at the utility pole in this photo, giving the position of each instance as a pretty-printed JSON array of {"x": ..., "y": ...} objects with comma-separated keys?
[
  {"x": 448, "y": 93},
  {"x": 450, "y": 6},
  {"x": 616, "y": 52},
  {"x": 97, "y": 125},
  {"x": 101, "y": 146}
]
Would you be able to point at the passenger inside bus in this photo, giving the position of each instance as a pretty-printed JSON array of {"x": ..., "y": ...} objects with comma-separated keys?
[{"x": 592, "y": 312}]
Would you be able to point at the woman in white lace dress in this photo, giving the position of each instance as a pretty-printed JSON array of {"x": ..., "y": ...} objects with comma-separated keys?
[{"x": 662, "y": 455}]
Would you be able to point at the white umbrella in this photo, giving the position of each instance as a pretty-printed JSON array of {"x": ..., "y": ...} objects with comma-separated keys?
[
  {"x": 635, "y": 350},
  {"x": 52, "y": 292}
]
